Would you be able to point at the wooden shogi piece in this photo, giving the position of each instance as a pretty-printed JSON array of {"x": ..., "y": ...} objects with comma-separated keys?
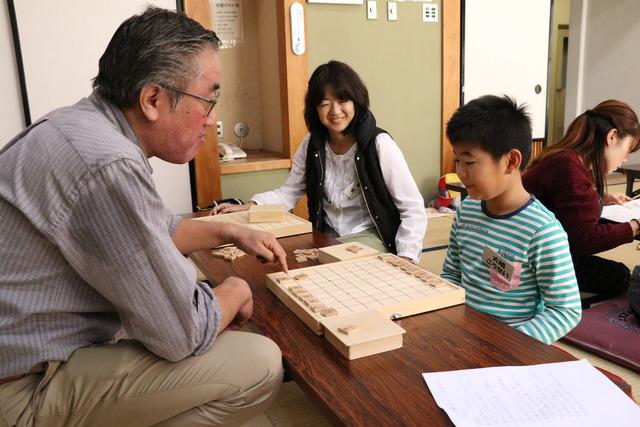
[
  {"x": 305, "y": 255},
  {"x": 228, "y": 253}
]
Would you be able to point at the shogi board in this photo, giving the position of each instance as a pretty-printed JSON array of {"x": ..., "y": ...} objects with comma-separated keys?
[
  {"x": 291, "y": 225},
  {"x": 378, "y": 283}
]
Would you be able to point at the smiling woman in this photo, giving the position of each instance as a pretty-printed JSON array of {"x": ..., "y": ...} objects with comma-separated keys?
[{"x": 357, "y": 181}]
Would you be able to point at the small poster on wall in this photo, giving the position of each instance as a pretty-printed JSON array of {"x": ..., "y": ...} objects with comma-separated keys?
[{"x": 227, "y": 21}]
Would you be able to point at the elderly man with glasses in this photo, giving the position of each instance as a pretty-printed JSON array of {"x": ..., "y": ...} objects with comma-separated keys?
[{"x": 87, "y": 249}]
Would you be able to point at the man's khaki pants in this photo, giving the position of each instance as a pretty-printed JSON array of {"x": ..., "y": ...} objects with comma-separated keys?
[{"x": 124, "y": 384}]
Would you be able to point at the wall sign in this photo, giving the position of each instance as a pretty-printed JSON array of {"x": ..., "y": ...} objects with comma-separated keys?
[{"x": 227, "y": 21}]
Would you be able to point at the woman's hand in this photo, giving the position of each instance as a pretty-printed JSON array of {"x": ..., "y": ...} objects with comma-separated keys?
[
  {"x": 635, "y": 227},
  {"x": 230, "y": 207},
  {"x": 615, "y": 198}
]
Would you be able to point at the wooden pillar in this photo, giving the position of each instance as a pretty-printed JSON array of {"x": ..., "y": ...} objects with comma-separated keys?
[
  {"x": 207, "y": 165},
  {"x": 294, "y": 72},
  {"x": 451, "y": 31}
]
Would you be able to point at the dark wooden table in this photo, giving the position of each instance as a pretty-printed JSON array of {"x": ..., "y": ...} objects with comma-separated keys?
[
  {"x": 385, "y": 389},
  {"x": 632, "y": 172}
]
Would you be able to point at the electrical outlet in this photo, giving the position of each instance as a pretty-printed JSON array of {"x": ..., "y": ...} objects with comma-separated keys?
[
  {"x": 219, "y": 129},
  {"x": 241, "y": 129},
  {"x": 429, "y": 12},
  {"x": 392, "y": 11},
  {"x": 372, "y": 9}
]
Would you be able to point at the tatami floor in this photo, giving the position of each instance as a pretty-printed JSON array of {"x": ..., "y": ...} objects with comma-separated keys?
[{"x": 293, "y": 408}]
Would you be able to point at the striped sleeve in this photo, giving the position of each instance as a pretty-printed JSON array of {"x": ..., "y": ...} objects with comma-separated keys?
[
  {"x": 451, "y": 266},
  {"x": 551, "y": 260}
]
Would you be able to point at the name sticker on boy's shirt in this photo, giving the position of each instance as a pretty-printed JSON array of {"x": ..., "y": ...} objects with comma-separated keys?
[
  {"x": 495, "y": 262},
  {"x": 503, "y": 274}
]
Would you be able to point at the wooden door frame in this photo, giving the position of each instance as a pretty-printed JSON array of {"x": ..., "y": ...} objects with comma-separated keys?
[
  {"x": 292, "y": 88},
  {"x": 451, "y": 60},
  {"x": 206, "y": 166}
]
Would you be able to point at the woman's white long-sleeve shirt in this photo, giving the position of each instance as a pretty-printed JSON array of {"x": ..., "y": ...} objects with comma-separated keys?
[{"x": 344, "y": 206}]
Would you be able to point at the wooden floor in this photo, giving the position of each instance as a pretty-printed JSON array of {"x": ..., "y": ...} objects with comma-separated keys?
[{"x": 292, "y": 408}]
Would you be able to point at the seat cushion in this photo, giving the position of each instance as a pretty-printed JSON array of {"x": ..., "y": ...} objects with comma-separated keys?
[{"x": 611, "y": 331}]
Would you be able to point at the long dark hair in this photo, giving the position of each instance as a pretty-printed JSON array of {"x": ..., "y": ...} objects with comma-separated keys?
[
  {"x": 345, "y": 84},
  {"x": 587, "y": 137}
]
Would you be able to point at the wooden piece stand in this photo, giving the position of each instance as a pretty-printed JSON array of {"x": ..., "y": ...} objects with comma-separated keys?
[
  {"x": 266, "y": 213},
  {"x": 345, "y": 252}
]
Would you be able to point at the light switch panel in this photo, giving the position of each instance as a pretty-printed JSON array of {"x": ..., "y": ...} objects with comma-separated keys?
[
  {"x": 392, "y": 11},
  {"x": 372, "y": 9},
  {"x": 429, "y": 12}
]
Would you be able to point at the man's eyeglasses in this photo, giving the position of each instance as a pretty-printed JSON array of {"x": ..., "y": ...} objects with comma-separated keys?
[{"x": 211, "y": 102}]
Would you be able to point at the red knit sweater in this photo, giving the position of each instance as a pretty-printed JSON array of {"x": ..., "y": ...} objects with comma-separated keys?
[{"x": 565, "y": 186}]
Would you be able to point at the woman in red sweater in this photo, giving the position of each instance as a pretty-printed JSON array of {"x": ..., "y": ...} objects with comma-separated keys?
[{"x": 569, "y": 179}]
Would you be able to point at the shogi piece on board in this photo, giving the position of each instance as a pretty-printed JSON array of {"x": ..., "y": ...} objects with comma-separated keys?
[
  {"x": 386, "y": 284},
  {"x": 344, "y": 252},
  {"x": 371, "y": 333},
  {"x": 291, "y": 225},
  {"x": 266, "y": 213}
]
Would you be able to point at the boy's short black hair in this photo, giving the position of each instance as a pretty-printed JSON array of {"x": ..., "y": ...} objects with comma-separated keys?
[{"x": 494, "y": 124}]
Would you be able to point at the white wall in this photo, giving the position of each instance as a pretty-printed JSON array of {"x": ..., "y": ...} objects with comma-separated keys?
[
  {"x": 11, "y": 106},
  {"x": 61, "y": 45},
  {"x": 604, "y": 36}
]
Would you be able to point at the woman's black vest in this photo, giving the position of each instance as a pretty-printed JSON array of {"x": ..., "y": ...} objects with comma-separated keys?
[{"x": 378, "y": 201}]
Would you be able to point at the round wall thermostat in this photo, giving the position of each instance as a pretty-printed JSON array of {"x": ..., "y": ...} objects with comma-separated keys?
[{"x": 241, "y": 129}]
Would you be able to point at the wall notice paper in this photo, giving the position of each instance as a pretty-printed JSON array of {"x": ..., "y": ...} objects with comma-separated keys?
[
  {"x": 622, "y": 213},
  {"x": 554, "y": 394},
  {"x": 227, "y": 21}
]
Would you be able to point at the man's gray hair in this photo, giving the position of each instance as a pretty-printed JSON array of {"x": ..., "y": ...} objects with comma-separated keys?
[{"x": 159, "y": 47}]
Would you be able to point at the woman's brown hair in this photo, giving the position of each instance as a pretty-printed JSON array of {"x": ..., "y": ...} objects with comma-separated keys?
[{"x": 587, "y": 137}]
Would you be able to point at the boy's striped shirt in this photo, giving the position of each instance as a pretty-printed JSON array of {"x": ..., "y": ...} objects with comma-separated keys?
[{"x": 546, "y": 304}]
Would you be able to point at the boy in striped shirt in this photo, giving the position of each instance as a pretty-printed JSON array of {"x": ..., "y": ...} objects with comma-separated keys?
[{"x": 506, "y": 249}]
